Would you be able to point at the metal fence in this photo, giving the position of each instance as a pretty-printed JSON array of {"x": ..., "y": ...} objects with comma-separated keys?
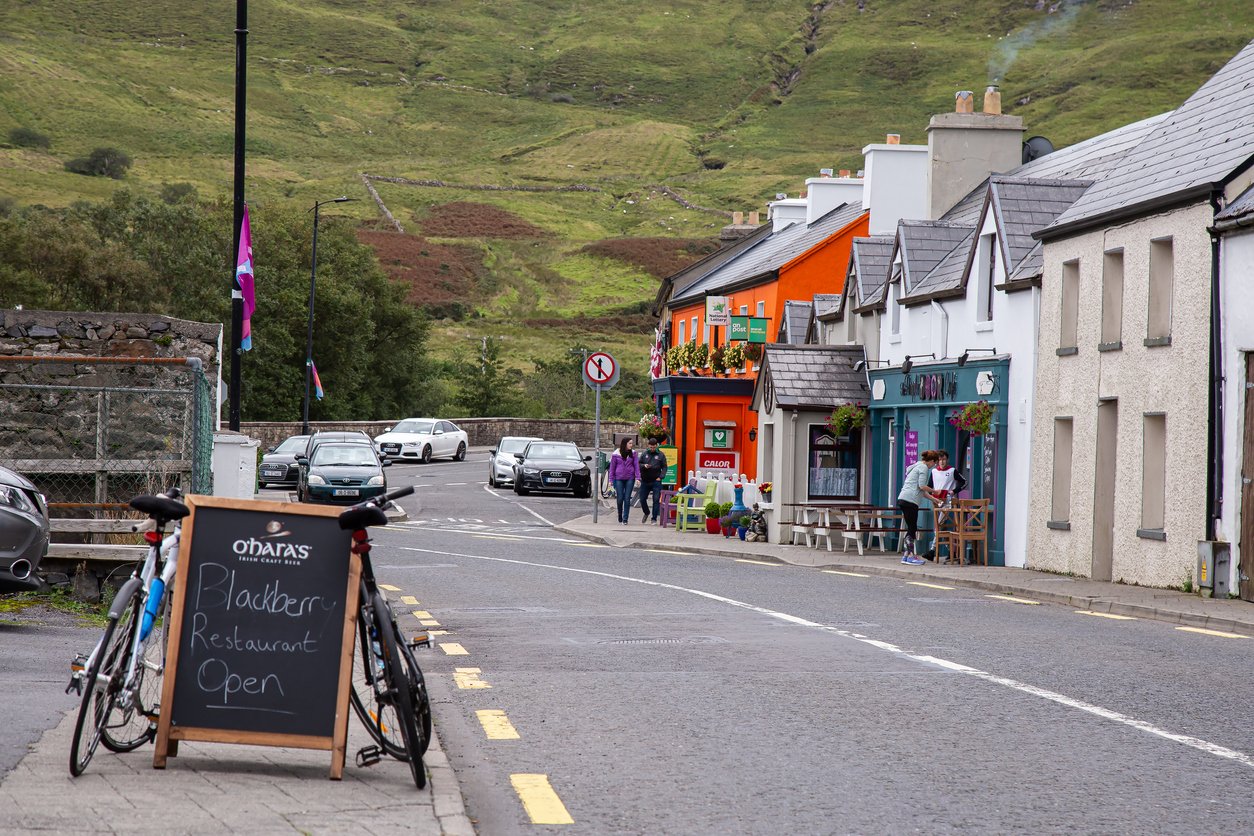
[{"x": 92, "y": 432}]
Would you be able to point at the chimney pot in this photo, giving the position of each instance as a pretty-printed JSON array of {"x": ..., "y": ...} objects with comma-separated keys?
[
  {"x": 964, "y": 102},
  {"x": 992, "y": 100},
  {"x": 753, "y": 219},
  {"x": 825, "y": 172},
  {"x": 861, "y": 173},
  {"x": 893, "y": 139},
  {"x": 844, "y": 172},
  {"x": 738, "y": 218}
]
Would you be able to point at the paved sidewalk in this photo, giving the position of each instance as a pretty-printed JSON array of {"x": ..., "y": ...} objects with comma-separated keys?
[
  {"x": 1173, "y": 606},
  {"x": 219, "y": 788}
]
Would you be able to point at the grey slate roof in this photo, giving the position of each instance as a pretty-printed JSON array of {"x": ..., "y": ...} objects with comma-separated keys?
[
  {"x": 923, "y": 245},
  {"x": 1235, "y": 211},
  {"x": 826, "y": 305},
  {"x": 796, "y": 322},
  {"x": 948, "y": 272},
  {"x": 869, "y": 260},
  {"x": 1194, "y": 149},
  {"x": 1031, "y": 267},
  {"x": 681, "y": 280},
  {"x": 1022, "y": 206},
  {"x": 772, "y": 253},
  {"x": 805, "y": 376}
]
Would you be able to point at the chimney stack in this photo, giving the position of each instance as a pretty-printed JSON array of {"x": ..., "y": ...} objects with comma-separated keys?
[
  {"x": 964, "y": 102},
  {"x": 753, "y": 218},
  {"x": 893, "y": 139},
  {"x": 738, "y": 218},
  {"x": 992, "y": 100}
]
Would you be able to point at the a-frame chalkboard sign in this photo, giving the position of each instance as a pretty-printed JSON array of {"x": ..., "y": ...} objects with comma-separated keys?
[{"x": 261, "y": 629}]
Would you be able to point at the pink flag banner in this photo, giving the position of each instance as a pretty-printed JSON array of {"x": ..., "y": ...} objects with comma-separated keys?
[
  {"x": 316, "y": 380},
  {"x": 244, "y": 279}
]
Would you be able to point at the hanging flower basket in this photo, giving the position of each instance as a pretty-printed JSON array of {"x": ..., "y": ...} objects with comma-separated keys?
[
  {"x": 651, "y": 427},
  {"x": 846, "y": 417},
  {"x": 753, "y": 351},
  {"x": 976, "y": 418}
]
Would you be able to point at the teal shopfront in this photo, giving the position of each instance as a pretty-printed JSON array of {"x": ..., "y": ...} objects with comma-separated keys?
[{"x": 910, "y": 413}]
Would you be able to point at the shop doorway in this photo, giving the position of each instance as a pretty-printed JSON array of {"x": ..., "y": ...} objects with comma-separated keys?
[
  {"x": 1104, "y": 490},
  {"x": 1245, "y": 586}
]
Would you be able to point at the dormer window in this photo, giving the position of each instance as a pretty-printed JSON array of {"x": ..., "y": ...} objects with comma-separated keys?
[{"x": 987, "y": 267}]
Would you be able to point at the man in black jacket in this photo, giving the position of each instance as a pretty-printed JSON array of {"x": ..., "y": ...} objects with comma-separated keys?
[{"x": 652, "y": 469}]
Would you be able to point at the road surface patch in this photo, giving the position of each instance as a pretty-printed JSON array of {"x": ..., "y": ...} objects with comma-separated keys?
[
  {"x": 539, "y": 799},
  {"x": 496, "y": 725},
  {"x": 468, "y": 679}
]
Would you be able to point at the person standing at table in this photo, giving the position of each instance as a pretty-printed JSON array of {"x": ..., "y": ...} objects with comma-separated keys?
[
  {"x": 913, "y": 489},
  {"x": 943, "y": 486},
  {"x": 652, "y": 468},
  {"x": 624, "y": 471}
]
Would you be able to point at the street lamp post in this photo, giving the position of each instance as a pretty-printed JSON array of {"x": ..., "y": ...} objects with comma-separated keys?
[{"x": 313, "y": 278}]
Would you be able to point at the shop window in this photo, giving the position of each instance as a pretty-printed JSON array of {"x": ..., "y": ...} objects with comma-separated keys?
[
  {"x": 834, "y": 464},
  {"x": 1112, "y": 301},
  {"x": 1060, "y": 504},
  {"x": 1067, "y": 334},
  {"x": 1154, "y": 474},
  {"x": 1161, "y": 277}
]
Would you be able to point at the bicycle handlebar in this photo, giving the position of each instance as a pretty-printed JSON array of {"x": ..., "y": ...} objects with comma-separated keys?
[
  {"x": 370, "y": 512},
  {"x": 396, "y": 494}
]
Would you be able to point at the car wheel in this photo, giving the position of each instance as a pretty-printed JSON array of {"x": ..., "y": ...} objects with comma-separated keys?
[
  {"x": 460, "y": 456},
  {"x": 584, "y": 493},
  {"x": 491, "y": 479},
  {"x": 519, "y": 489},
  {"x": 426, "y": 454}
]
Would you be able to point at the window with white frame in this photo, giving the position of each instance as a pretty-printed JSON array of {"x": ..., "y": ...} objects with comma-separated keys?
[
  {"x": 1161, "y": 278},
  {"x": 1112, "y": 301},
  {"x": 834, "y": 463},
  {"x": 744, "y": 310},
  {"x": 682, "y": 337},
  {"x": 894, "y": 310},
  {"x": 1070, "y": 318},
  {"x": 987, "y": 266},
  {"x": 761, "y": 309},
  {"x": 1060, "y": 504},
  {"x": 694, "y": 328}
]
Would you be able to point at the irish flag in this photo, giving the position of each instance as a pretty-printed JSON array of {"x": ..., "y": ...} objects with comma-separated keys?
[{"x": 244, "y": 279}]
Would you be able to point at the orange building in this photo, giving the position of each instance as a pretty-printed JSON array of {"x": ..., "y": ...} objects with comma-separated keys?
[{"x": 709, "y": 417}]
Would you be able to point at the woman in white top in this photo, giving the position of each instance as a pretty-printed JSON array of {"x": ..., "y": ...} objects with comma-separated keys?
[{"x": 914, "y": 488}]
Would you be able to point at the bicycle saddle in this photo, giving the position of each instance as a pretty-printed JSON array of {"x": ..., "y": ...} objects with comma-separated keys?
[
  {"x": 160, "y": 507},
  {"x": 362, "y": 516}
]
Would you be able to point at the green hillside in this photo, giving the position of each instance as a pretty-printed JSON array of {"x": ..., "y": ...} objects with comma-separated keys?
[{"x": 725, "y": 103}]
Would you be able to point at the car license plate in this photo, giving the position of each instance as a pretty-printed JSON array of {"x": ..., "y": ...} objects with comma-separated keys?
[
  {"x": 391, "y": 448},
  {"x": 554, "y": 480},
  {"x": 345, "y": 492},
  {"x": 273, "y": 471}
]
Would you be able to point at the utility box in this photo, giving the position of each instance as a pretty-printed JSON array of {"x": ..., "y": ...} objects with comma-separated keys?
[
  {"x": 234, "y": 465},
  {"x": 1213, "y": 568}
]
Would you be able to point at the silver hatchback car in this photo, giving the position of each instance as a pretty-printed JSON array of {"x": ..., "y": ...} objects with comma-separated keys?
[
  {"x": 23, "y": 531},
  {"x": 501, "y": 462}
]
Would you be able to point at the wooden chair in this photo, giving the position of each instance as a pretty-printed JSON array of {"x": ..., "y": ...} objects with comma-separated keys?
[
  {"x": 946, "y": 517},
  {"x": 971, "y": 528},
  {"x": 666, "y": 508},
  {"x": 690, "y": 508}
]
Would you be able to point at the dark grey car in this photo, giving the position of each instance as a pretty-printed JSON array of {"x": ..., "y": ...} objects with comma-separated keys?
[
  {"x": 278, "y": 467},
  {"x": 23, "y": 532}
]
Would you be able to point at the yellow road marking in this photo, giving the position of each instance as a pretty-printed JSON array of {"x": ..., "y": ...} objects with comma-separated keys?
[
  {"x": 389, "y": 587},
  {"x": 453, "y": 649},
  {"x": 499, "y": 536},
  {"x": 591, "y": 545},
  {"x": 496, "y": 725},
  {"x": 437, "y": 632},
  {"x": 928, "y": 585},
  {"x": 1013, "y": 599},
  {"x": 1218, "y": 633},
  {"x": 468, "y": 679},
  {"x": 664, "y": 551},
  {"x": 422, "y": 614},
  {"x": 539, "y": 800},
  {"x": 846, "y": 574},
  {"x": 428, "y": 622},
  {"x": 755, "y": 562},
  {"x": 409, "y": 600},
  {"x": 1109, "y": 615}
]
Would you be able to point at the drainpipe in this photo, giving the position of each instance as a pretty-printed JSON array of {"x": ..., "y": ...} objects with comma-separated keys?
[
  {"x": 1214, "y": 401},
  {"x": 944, "y": 328}
]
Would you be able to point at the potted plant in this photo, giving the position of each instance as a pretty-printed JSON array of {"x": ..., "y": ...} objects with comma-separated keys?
[
  {"x": 734, "y": 357},
  {"x": 846, "y": 417},
  {"x": 742, "y": 526},
  {"x": 976, "y": 418},
  {"x": 753, "y": 352},
  {"x": 764, "y": 488},
  {"x": 675, "y": 358},
  {"x": 717, "y": 360},
  {"x": 727, "y": 521},
  {"x": 700, "y": 355},
  {"x": 712, "y": 511},
  {"x": 650, "y": 427}
]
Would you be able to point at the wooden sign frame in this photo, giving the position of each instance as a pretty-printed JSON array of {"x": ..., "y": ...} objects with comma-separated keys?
[{"x": 169, "y": 735}]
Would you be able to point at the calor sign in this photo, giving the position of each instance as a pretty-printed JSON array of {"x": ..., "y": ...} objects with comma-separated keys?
[{"x": 718, "y": 461}]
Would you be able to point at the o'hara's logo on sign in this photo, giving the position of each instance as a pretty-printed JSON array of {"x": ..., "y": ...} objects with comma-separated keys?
[
  {"x": 271, "y": 548},
  {"x": 935, "y": 386}
]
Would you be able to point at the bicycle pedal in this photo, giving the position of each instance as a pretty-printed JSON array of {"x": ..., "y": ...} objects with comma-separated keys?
[
  {"x": 369, "y": 756},
  {"x": 421, "y": 640}
]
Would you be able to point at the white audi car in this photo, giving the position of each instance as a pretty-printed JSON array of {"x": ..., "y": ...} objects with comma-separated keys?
[
  {"x": 501, "y": 465},
  {"x": 423, "y": 439}
]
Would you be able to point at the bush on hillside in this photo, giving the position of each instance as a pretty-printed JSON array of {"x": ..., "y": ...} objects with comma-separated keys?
[
  {"x": 101, "y": 162},
  {"x": 175, "y": 193},
  {"x": 29, "y": 138}
]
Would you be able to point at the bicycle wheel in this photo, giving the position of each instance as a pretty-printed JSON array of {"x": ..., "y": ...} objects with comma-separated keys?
[
  {"x": 100, "y": 686},
  {"x": 132, "y": 722},
  {"x": 422, "y": 703},
  {"x": 373, "y": 709},
  {"x": 399, "y": 689}
]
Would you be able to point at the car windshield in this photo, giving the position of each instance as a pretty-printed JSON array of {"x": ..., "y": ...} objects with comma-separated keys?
[
  {"x": 329, "y": 455},
  {"x": 293, "y": 444},
  {"x": 513, "y": 445},
  {"x": 416, "y": 427},
  {"x": 553, "y": 451}
]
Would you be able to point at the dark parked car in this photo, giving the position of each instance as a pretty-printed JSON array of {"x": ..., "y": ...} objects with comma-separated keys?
[
  {"x": 278, "y": 466},
  {"x": 343, "y": 471},
  {"x": 552, "y": 467},
  {"x": 23, "y": 532},
  {"x": 311, "y": 446}
]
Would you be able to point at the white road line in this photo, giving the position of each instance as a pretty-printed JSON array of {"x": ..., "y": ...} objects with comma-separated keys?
[
  {"x": 520, "y": 536},
  {"x": 1061, "y": 699},
  {"x": 520, "y": 505},
  {"x": 455, "y": 484}
]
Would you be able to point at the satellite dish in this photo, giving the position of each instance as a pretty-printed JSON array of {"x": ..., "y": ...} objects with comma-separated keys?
[{"x": 1036, "y": 147}]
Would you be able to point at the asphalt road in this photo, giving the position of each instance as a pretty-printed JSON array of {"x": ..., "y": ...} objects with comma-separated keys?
[{"x": 659, "y": 692}]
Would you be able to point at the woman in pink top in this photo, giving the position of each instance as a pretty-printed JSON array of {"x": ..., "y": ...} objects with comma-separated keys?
[{"x": 624, "y": 471}]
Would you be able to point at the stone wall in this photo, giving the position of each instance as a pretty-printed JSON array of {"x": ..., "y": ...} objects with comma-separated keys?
[{"x": 483, "y": 432}]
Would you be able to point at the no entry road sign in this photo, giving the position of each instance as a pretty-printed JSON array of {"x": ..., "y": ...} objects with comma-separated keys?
[{"x": 600, "y": 370}]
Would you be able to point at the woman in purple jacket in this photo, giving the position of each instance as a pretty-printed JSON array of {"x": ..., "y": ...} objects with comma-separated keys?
[{"x": 624, "y": 471}]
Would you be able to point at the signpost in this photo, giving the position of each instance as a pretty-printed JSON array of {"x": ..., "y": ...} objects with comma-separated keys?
[
  {"x": 600, "y": 371},
  {"x": 261, "y": 629},
  {"x": 747, "y": 328},
  {"x": 717, "y": 311}
]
